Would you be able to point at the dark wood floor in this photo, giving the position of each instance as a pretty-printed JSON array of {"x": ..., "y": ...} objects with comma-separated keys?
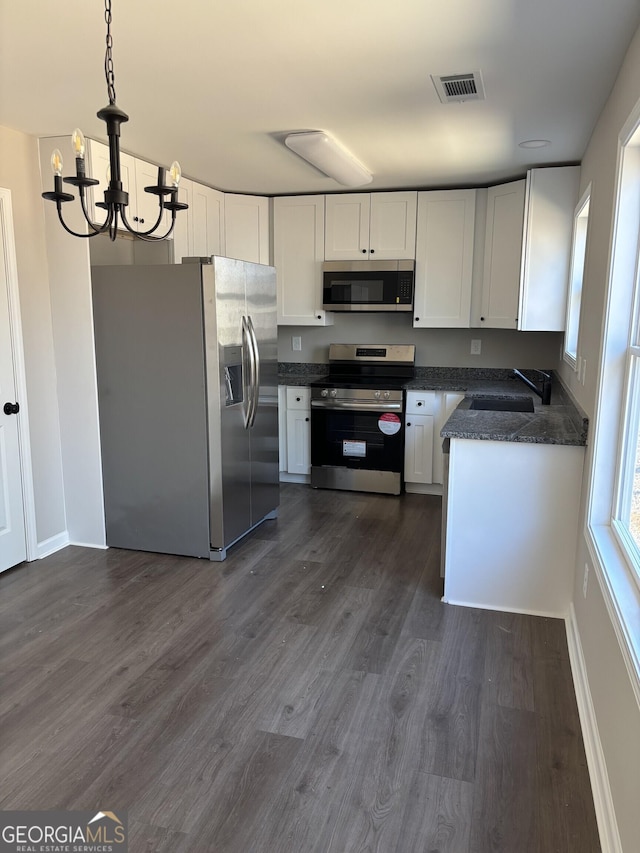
[{"x": 312, "y": 693}]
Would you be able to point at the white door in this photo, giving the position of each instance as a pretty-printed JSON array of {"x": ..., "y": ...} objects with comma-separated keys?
[{"x": 12, "y": 519}]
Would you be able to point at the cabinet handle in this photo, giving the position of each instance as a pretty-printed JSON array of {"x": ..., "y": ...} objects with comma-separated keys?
[
  {"x": 298, "y": 399},
  {"x": 371, "y": 251},
  {"x": 364, "y": 251},
  {"x": 420, "y": 402},
  {"x": 135, "y": 218},
  {"x": 482, "y": 319},
  {"x": 319, "y": 316},
  {"x": 306, "y": 419},
  {"x": 416, "y": 319},
  {"x": 408, "y": 425}
]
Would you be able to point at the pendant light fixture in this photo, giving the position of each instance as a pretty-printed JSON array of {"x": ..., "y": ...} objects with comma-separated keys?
[{"x": 116, "y": 199}]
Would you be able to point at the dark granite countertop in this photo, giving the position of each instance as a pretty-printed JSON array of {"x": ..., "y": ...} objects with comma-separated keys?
[{"x": 561, "y": 422}]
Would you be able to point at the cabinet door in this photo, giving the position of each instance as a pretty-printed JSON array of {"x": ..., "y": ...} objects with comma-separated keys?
[
  {"x": 183, "y": 229},
  {"x": 551, "y": 197},
  {"x": 298, "y": 251},
  {"x": 145, "y": 206},
  {"x": 392, "y": 231},
  {"x": 347, "y": 227},
  {"x": 418, "y": 448},
  {"x": 502, "y": 254},
  {"x": 444, "y": 259},
  {"x": 208, "y": 221},
  {"x": 298, "y": 441},
  {"x": 246, "y": 228}
]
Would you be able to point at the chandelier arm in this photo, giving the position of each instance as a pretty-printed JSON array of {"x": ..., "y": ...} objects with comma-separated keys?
[
  {"x": 147, "y": 235},
  {"x": 99, "y": 229},
  {"x": 75, "y": 233}
]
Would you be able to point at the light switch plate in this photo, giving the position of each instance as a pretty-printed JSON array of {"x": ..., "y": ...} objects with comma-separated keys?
[
  {"x": 476, "y": 347},
  {"x": 296, "y": 343}
]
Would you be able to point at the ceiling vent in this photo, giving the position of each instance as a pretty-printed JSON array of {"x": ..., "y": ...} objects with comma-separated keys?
[{"x": 453, "y": 88}]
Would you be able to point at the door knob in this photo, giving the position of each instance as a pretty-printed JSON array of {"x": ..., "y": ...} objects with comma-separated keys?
[{"x": 11, "y": 408}]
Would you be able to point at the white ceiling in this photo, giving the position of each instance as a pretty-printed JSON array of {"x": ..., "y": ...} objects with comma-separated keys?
[{"x": 218, "y": 84}]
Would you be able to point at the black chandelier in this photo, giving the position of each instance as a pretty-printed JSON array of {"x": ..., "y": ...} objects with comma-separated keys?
[{"x": 116, "y": 199}]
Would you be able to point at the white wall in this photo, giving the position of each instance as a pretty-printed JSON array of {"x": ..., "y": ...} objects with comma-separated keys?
[
  {"x": 19, "y": 172},
  {"x": 616, "y": 708},
  {"x": 434, "y": 347}
]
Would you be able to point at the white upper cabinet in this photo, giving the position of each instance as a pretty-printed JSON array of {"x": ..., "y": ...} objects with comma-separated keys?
[
  {"x": 444, "y": 259},
  {"x": 199, "y": 231},
  {"x": 550, "y": 200},
  {"x": 375, "y": 226},
  {"x": 207, "y": 216},
  {"x": 298, "y": 251},
  {"x": 246, "y": 227},
  {"x": 502, "y": 254},
  {"x": 183, "y": 229}
]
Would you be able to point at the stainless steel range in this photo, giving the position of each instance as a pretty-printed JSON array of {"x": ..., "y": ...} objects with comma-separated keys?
[{"x": 357, "y": 418}]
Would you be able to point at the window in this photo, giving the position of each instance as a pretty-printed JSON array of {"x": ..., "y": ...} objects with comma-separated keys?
[
  {"x": 613, "y": 523},
  {"x": 625, "y": 516},
  {"x": 576, "y": 274}
]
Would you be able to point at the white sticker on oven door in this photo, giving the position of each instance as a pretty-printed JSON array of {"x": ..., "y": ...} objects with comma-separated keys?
[
  {"x": 354, "y": 448},
  {"x": 389, "y": 423}
]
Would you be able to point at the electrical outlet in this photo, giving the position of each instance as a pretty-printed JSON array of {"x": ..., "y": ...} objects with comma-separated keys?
[
  {"x": 585, "y": 581},
  {"x": 296, "y": 343},
  {"x": 476, "y": 347}
]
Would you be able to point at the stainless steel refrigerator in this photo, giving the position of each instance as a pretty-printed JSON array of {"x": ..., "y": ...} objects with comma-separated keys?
[{"x": 186, "y": 359}]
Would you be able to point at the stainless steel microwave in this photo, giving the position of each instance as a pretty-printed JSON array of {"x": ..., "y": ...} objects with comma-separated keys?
[{"x": 368, "y": 285}]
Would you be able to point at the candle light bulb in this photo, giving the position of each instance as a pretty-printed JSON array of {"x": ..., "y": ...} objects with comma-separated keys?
[
  {"x": 78, "y": 143},
  {"x": 175, "y": 173},
  {"x": 56, "y": 163}
]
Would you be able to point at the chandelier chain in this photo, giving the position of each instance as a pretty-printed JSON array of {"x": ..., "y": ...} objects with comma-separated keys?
[{"x": 108, "y": 58}]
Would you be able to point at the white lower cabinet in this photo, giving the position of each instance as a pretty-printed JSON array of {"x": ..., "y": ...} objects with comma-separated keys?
[
  {"x": 298, "y": 442},
  {"x": 426, "y": 413},
  {"x": 419, "y": 427},
  {"x": 512, "y": 512}
]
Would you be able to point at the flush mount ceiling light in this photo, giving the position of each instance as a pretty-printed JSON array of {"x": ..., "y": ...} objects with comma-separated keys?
[
  {"x": 327, "y": 155},
  {"x": 534, "y": 143},
  {"x": 115, "y": 198}
]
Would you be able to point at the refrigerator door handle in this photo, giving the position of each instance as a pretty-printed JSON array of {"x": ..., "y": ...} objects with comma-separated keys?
[
  {"x": 248, "y": 372},
  {"x": 256, "y": 371}
]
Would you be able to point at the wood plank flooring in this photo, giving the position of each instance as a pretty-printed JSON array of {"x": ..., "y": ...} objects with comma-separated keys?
[{"x": 311, "y": 694}]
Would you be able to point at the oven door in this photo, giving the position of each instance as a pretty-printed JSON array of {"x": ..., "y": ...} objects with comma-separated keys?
[{"x": 357, "y": 448}]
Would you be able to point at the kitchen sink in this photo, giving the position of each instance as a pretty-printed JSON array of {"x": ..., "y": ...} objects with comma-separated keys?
[{"x": 501, "y": 404}]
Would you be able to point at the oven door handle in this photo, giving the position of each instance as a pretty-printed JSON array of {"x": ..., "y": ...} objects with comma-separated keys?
[{"x": 358, "y": 405}]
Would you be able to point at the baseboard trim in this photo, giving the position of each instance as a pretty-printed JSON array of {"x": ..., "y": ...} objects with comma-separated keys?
[
  {"x": 90, "y": 545},
  {"x": 303, "y": 479},
  {"x": 550, "y": 614},
  {"x": 602, "y": 799},
  {"x": 52, "y": 544}
]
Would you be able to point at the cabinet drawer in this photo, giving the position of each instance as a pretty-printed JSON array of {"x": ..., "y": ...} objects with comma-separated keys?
[
  {"x": 298, "y": 398},
  {"x": 422, "y": 402}
]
